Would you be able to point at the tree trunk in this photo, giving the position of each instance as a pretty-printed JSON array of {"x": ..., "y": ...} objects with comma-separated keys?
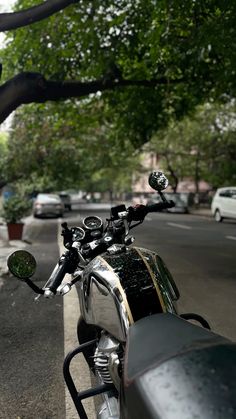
[
  {"x": 173, "y": 174},
  {"x": 197, "y": 179}
]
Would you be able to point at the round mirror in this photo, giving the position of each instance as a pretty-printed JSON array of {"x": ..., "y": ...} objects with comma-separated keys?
[
  {"x": 158, "y": 181},
  {"x": 21, "y": 264}
]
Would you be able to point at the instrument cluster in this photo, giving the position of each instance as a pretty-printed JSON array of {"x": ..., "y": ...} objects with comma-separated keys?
[
  {"x": 92, "y": 222},
  {"x": 92, "y": 227},
  {"x": 78, "y": 233}
]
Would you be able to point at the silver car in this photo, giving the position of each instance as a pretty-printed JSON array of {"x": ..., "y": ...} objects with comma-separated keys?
[{"x": 47, "y": 205}]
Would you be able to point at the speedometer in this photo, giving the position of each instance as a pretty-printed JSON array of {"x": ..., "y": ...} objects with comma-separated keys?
[
  {"x": 92, "y": 222},
  {"x": 78, "y": 233}
]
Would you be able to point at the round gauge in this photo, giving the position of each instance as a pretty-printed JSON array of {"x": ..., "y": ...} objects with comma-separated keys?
[
  {"x": 92, "y": 222},
  {"x": 78, "y": 233}
]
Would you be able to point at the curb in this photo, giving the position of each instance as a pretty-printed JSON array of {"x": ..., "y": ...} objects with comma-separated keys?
[{"x": 201, "y": 213}]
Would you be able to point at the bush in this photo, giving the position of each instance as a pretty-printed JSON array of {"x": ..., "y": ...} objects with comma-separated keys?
[{"x": 14, "y": 208}]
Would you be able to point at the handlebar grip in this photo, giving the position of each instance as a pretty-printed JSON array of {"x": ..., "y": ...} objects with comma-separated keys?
[
  {"x": 160, "y": 206},
  {"x": 57, "y": 276}
]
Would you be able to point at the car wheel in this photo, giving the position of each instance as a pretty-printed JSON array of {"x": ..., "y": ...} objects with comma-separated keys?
[{"x": 218, "y": 216}]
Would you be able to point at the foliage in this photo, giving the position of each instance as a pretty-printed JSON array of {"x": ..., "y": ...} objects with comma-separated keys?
[
  {"x": 3, "y": 152},
  {"x": 14, "y": 208},
  {"x": 201, "y": 147},
  {"x": 56, "y": 155},
  {"x": 189, "y": 43}
]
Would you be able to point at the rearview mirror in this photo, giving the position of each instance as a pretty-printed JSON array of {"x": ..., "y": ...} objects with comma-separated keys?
[
  {"x": 158, "y": 181},
  {"x": 21, "y": 264}
]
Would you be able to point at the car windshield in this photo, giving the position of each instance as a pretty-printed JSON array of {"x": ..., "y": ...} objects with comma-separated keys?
[{"x": 48, "y": 197}]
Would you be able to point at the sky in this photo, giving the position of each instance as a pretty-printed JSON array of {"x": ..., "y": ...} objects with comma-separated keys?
[{"x": 5, "y": 5}]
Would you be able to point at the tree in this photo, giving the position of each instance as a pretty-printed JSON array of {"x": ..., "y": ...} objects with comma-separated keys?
[
  {"x": 201, "y": 147},
  {"x": 53, "y": 154},
  {"x": 182, "y": 52},
  {"x": 146, "y": 62}
]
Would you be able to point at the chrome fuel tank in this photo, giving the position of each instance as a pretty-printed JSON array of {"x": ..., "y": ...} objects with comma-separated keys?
[{"x": 117, "y": 290}]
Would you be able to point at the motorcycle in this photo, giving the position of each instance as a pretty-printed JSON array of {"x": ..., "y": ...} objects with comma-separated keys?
[{"x": 149, "y": 361}]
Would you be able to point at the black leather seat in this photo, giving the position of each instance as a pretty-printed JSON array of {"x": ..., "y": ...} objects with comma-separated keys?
[{"x": 176, "y": 370}]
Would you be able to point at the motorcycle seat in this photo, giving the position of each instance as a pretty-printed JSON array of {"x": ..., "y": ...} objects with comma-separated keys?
[{"x": 176, "y": 370}]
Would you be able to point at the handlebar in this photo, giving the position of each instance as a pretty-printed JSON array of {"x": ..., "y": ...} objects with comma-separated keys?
[
  {"x": 160, "y": 206},
  {"x": 68, "y": 261},
  {"x": 67, "y": 264},
  {"x": 139, "y": 212},
  {"x": 56, "y": 278}
]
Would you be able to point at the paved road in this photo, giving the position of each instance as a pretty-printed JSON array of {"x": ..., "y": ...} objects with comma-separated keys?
[
  {"x": 31, "y": 340},
  {"x": 201, "y": 257}
]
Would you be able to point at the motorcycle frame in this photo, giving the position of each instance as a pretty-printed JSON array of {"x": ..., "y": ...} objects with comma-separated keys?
[{"x": 78, "y": 396}]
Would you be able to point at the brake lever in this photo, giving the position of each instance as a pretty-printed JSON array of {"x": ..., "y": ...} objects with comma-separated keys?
[
  {"x": 137, "y": 213},
  {"x": 36, "y": 299}
]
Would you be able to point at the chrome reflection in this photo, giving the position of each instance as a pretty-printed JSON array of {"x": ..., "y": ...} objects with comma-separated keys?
[{"x": 100, "y": 302}]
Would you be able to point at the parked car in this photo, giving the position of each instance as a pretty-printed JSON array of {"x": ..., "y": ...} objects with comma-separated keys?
[
  {"x": 46, "y": 205},
  {"x": 224, "y": 203},
  {"x": 66, "y": 199}
]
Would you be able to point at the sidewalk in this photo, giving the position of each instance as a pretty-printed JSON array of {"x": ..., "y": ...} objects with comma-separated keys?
[{"x": 7, "y": 247}]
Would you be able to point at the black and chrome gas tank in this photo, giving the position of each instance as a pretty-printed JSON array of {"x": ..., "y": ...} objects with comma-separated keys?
[{"x": 119, "y": 288}]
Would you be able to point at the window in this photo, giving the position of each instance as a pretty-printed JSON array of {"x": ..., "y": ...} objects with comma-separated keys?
[
  {"x": 232, "y": 193},
  {"x": 225, "y": 194}
]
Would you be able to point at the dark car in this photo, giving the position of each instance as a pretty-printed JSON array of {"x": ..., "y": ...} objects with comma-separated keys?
[{"x": 66, "y": 199}]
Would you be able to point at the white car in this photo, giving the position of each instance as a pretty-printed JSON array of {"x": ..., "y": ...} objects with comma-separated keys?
[
  {"x": 48, "y": 205},
  {"x": 224, "y": 203}
]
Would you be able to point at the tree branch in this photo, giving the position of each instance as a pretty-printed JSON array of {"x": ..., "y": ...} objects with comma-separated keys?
[
  {"x": 34, "y": 14},
  {"x": 30, "y": 87}
]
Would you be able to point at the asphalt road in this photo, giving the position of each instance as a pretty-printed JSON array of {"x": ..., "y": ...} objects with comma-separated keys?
[
  {"x": 201, "y": 256},
  {"x": 31, "y": 340}
]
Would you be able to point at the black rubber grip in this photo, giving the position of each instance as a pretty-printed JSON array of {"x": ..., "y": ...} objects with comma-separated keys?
[
  {"x": 57, "y": 275},
  {"x": 160, "y": 206}
]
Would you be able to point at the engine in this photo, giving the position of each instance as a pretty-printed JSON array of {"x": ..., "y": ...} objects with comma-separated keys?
[{"x": 108, "y": 365}]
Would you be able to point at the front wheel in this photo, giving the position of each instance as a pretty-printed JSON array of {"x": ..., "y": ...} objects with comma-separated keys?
[{"x": 218, "y": 216}]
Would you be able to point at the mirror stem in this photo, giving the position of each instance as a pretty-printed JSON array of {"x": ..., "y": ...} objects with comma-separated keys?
[
  {"x": 162, "y": 196},
  {"x": 34, "y": 287}
]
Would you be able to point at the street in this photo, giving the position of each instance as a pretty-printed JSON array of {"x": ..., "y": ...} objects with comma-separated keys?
[{"x": 200, "y": 255}]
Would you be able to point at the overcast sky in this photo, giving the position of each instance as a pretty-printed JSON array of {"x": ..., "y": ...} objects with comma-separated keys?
[{"x": 5, "y": 6}]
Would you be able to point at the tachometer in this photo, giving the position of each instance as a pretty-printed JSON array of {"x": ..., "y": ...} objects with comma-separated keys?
[{"x": 92, "y": 222}]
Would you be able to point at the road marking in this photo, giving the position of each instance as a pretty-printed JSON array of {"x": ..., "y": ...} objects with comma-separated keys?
[
  {"x": 79, "y": 368},
  {"x": 231, "y": 237},
  {"x": 180, "y": 226}
]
